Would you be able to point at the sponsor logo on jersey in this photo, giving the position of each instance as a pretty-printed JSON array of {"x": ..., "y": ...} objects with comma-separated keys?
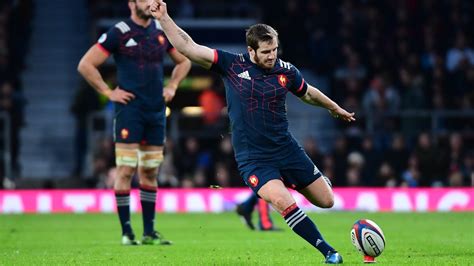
[
  {"x": 124, "y": 133},
  {"x": 131, "y": 43},
  {"x": 244, "y": 75},
  {"x": 283, "y": 80},
  {"x": 253, "y": 180}
]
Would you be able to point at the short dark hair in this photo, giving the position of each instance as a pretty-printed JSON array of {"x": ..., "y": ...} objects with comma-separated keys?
[{"x": 259, "y": 33}]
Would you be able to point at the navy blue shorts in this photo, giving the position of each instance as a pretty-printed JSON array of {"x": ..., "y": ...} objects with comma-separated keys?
[
  {"x": 132, "y": 125},
  {"x": 297, "y": 171}
]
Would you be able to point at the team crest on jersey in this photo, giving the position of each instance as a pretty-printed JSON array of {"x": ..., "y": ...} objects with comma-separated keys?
[
  {"x": 253, "y": 180},
  {"x": 161, "y": 39},
  {"x": 124, "y": 133},
  {"x": 283, "y": 80}
]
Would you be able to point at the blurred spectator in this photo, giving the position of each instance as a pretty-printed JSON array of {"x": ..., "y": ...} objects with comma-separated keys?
[
  {"x": 426, "y": 155},
  {"x": 460, "y": 55},
  {"x": 380, "y": 98},
  {"x": 103, "y": 161},
  {"x": 195, "y": 164},
  {"x": 212, "y": 105},
  {"x": 167, "y": 176},
  {"x": 395, "y": 153},
  {"x": 411, "y": 176},
  {"x": 355, "y": 161},
  {"x": 372, "y": 160},
  {"x": 386, "y": 177},
  {"x": 85, "y": 102},
  {"x": 226, "y": 171},
  {"x": 12, "y": 102},
  {"x": 340, "y": 161},
  {"x": 310, "y": 145}
]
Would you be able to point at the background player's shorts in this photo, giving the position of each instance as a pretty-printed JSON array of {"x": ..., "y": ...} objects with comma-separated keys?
[
  {"x": 132, "y": 125},
  {"x": 296, "y": 171}
]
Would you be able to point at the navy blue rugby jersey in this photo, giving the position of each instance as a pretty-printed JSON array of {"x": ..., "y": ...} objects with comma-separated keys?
[
  {"x": 256, "y": 102},
  {"x": 138, "y": 54}
]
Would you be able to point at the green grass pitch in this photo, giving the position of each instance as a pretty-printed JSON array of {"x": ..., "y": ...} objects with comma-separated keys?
[{"x": 221, "y": 239}]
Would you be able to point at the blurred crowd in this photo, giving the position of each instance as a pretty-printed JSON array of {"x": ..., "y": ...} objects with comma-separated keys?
[
  {"x": 445, "y": 160},
  {"x": 384, "y": 56},
  {"x": 15, "y": 32},
  {"x": 380, "y": 58}
]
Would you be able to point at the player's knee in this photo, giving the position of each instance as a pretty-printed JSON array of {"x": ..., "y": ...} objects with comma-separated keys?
[
  {"x": 125, "y": 172},
  {"x": 149, "y": 174},
  {"x": 327, "y": 202},
  {"x": 280, "y": 201}
]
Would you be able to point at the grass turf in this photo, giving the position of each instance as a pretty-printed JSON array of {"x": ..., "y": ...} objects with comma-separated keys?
[{"x": 221, "y": 239}]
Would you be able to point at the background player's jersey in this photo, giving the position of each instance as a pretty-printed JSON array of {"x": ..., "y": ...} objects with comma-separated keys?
[
  {"x": 256, "y": 101},
  {"x": 138, "y": 53}
]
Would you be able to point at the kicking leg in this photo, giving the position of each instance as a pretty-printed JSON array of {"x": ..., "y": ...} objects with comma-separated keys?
[{"x": 278, "y": 195}]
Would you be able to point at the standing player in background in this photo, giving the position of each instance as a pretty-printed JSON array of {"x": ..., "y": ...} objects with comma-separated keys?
[
  {"x": 267, "y": 155},
  {"x": 246, "y": 208},
  {"x": 138, "y": 45}
]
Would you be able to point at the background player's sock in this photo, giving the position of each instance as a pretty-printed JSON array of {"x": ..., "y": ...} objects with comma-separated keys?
[
  {"x": 148, "y": 200},
  {"x": 123, "y": 208},
  {"x": 249, "y": 204},
  {"x": 265, "y": 221},
  {"x": 304, "y": 227}
]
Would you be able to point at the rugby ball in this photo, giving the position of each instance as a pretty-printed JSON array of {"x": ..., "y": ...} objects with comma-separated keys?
[{"x": 368, "y": 238}]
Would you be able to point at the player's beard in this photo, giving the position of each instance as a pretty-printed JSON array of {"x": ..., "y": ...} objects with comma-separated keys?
[
  {"x": 142, "y": 14},
  {"x": 262, "y": 64}
]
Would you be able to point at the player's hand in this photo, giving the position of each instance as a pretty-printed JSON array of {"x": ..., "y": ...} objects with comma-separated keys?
[
  {"x": 158, "y": 8},
  {"x": 168, "y": 93},
  {"x": 342, "y": 114},
  {"x": 121, "y": 96}
]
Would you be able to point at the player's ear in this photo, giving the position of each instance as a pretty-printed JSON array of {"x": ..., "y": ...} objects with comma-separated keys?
[
  {"x": 251, "y": 51},
  {"x": 131, "y": 5}
]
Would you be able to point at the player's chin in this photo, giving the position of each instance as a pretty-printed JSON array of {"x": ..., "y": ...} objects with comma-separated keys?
[{"x": 270, "y": 64}]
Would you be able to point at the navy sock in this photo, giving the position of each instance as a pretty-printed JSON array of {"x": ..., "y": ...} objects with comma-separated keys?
[
  {"x": 304, "y": 227},
  {"x": 148, "y": 200},
  {"x": 123, "y": 208},
  {"x": 249, "y": 204},
  {"x": 264, "y": 218}
]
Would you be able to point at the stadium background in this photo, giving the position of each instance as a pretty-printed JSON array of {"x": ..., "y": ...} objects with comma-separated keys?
[{"x": 405, "y": 67}]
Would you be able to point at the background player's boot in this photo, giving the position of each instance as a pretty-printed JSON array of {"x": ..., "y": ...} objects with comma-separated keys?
[
  {"x": 333, "y": 258},
  {"x": 273, "y": 229},
  {"x": 245, "y": 215},
  {"x": 129, "y": 240},
  {"x": 155, "y": 238}
]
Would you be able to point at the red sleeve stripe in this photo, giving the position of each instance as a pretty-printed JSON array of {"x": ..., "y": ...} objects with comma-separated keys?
[
  {"x": 216, "y": 57},
  {"x": 102, "y": 48},
  {"x": 301, "y": 86}
]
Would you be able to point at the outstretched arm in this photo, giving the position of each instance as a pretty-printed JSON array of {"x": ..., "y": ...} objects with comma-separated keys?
[
  {"x": 314, "y": 96},
  {"x": 199, "y": 54}
]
